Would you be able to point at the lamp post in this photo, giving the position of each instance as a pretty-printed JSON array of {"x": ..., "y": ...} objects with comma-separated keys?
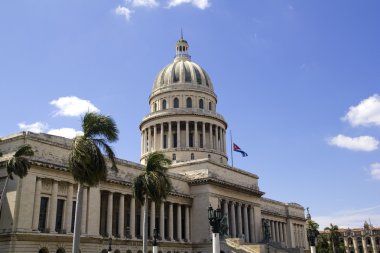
[
  {"x": 155, "y": 237},
  {"x": 312, "y": 233},
  {"x": 109, "y": 245},
  {"x": 214, "y": 217}
]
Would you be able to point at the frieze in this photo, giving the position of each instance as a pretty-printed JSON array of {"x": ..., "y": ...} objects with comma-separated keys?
[
  {"x": 46, "y": 185},
  {"x": 62, "y": 188}
]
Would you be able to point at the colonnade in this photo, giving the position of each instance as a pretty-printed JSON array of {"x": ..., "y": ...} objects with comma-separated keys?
[
  {"x": 243, "y": 220},
  {"x": 278, "y": 231},
  {"x": 196, "y": 134},
  {"x": 122, "y": 216},
  {"x": 299, "y": 235}
]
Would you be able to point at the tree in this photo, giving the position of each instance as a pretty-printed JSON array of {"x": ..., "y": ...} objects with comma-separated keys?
[
  {"x": 152, "y": 183},
  {"x": 333, "y": 231},
  {"x": 18, "y": 165},
  {"x": 86, "y": 160},
  {"x": 323, "y": 243}
]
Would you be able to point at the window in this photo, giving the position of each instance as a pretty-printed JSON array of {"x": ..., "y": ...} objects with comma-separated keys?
[
  {"x": 59, "y": 216},
  {"x": 209, "y": 156},
  {"x": 163, "y": 104},
  {"x": 43, "y": 214},
  {"x": 192, "y": 156},
  {"x": 175, "y": 140},
  {"x": 155, "y": 107},
  {"x": 201, "y": 103},
  {"x": 189, "y": 103},
  {"x": 165, "y": 141},
  {"x": 73, "y": 216},
  {"x": 174, "y": 157},
  {"x": 175, "y": 103},
  {"x": 191, "y": 139},
  {"x": 210, "y": 106},
  {"x": 201, "y": 140}
]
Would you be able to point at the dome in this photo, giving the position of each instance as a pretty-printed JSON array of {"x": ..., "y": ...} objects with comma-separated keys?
[{"x": 182, "y": 72}]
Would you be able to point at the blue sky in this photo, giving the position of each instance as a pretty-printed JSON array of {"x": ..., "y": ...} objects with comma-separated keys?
[{"x": 297, "y": 81}]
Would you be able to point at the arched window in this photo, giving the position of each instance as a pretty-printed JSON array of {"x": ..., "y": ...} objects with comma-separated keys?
[
  {"x": 175, "y": 103},
  {"x": 192, "y": 156},
  {"x": 174, "y": 157},
  {"x": 104, "y": 251},
  {"x": 189, "y": 103},
  {"x": 164, "y": 104},
  {"x": 117, "y": 251},
  {"x": 201, "y": 103},
  {"x": 129, "y": 251},
  {"x": 209, "y": 106},
  {"x": 209, "y": 156},
  {"x": 61, "y": 250}
]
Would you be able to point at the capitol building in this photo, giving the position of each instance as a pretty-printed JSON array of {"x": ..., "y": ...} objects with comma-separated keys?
[{"x": 183, "y": 123}]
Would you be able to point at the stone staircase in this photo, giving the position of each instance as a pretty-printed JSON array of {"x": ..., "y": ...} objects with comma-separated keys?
[{"x": 236, "y": 245}]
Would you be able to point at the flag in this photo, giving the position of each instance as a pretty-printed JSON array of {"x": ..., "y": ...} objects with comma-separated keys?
[{"x": 238, "y": 149}]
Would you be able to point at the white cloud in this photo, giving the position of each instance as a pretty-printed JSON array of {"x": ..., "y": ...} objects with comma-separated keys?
[
  {"x": 201, "y": 4},
  {"x": 36, "y": 127},
  {"x": 361, "y": 143},
  {"x": 366, "y": 113},
  {"x": 124, "y": 11},
  {"x": 73, "y": 106},
  {"x": 350, "y": 218},
  {"x": 375, "y": 171},
  {"x": 145, "y": 3},
  {"x": 65, "y": 132}
]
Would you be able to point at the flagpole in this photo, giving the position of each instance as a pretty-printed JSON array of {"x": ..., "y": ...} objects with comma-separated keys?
[{"x": 232, "y": 154}]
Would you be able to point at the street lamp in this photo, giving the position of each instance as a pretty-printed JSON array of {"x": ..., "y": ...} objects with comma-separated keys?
[
  {"x": 214, "y": 217},
  {"x": 109, "y": 245},
  {"x": 155, "y": 237},
  {"x": 312, "y": 232}
]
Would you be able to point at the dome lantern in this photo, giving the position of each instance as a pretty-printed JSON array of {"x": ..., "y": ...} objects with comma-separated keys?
[{"x": 182, "y": 49}]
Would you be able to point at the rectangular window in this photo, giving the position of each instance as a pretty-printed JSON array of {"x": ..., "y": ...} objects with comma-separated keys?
[
  {"x": 73, "y": 216},
  {"x": 175, "y": 140},
  {"x": 43, "y": 214},
  {"x": 165, "y": 141},
  {"x": 201, "y": 140},
  {"x": 191, "y": 139},
  {"x": 59, "y": 217}
]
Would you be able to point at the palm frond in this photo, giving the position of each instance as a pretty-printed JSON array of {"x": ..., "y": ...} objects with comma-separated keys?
[
  {"x": 95, "y": 124},
  {"x": 108, "y": 150},
  {"x": 24, "y": 150},
  {"x": 138, "y": 188}
]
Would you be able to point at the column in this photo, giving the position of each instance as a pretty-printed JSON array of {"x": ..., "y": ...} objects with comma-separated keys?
[
  {"x": 239, "y": 220},
  {"x": 187, "y": 134},
  {"x": 204, "y": 134},
  {"x": 142, "y": 142},
  {"x": 224, "y": 140},
  {"x": 196, "y": 143},
  {"x": 154, "y": 137},
  {"x": 53, "y": 207},
  {"x": 149, "y": 142},
  {"x": 121, "y": 216},
  {"x": 170, "y": 135},
  {"x": 187, "y": 224},
  {"x": 365, "y": 250},
  {"x": 285, "y": 234},
  {"x": 278, "y": 231},
  {"x": 84, "y": 211},
  {"x": 225, "y": 209},
  {"x": 178, "y": 134},
  {"x": 162, "y": 221},
  {"x": 246, "y": 230},
  {"x": 142, "y": 221},
  {"x": 257, "y": 218},
  {"x": 162, "y": 136},
  {"x": 211, "y": 146},
  {"x": 152, "y": 217},
  {"x": 233, "y": 221},
  {"x": 69, "y": 208},
  {"x": 132, "y": 218},
  {"x": 272, "y": 232},
  {"x": 179, "y": 223},
  {"x": 171, "y": 234},
  {"x": 252, "y": 225},
  {"x": 109, "y": 214},
  {"x": 37, "y": 203}
]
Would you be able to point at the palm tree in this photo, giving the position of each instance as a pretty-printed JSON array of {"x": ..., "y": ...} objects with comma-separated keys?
[
  {"x": 152, "y": 183},
  {"x": 86, "y": 160},
  {"x": 334, "y": 235},
  {"x": 18, "y": 164}
]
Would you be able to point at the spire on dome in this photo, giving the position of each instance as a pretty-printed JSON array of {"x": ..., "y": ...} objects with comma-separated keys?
[{"x": 182, "y": 49}]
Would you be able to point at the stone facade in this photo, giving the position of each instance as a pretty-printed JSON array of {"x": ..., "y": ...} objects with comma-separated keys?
[{"x": 37, "y": 213}]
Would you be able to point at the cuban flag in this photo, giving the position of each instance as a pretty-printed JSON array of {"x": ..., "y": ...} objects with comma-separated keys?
[{"x": 238, "y": 149}]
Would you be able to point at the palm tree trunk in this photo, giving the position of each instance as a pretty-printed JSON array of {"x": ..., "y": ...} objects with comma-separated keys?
[
  {"x": 78, "y": 220},
  {"x": 145, "y": 227},
  {"x": 3, "y": 193}
]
